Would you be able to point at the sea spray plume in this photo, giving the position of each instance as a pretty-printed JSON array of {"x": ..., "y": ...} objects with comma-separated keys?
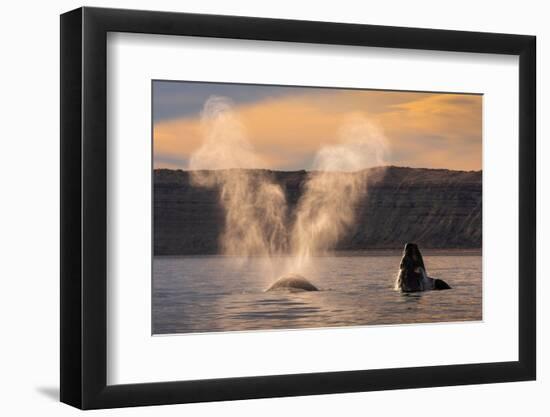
[
  {"x": 327, "y": 209},
  {"x": 255, "y": 207}
]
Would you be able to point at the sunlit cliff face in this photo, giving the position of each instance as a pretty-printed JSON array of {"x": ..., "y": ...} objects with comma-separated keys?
[{"x": 257, "y": 221}]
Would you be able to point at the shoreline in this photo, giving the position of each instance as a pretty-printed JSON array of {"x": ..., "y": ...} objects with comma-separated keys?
[{"x": 357, "y": 252}]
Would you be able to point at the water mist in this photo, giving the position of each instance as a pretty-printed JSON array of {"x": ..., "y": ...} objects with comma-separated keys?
[
  {"x": 257, "y": 222},
  {"x": 255, "y": 207},
  {"x": 334, "y": 187}
]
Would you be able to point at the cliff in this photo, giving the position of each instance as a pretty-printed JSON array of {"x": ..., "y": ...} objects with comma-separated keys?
[{"x": 435, "y": 208}]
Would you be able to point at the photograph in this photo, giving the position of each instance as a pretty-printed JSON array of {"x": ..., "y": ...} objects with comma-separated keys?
[
  {"x": 300, "y": 203},
  {"x": 294, "y": 207}
]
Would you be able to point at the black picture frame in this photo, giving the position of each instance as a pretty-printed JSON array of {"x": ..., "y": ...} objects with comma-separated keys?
[{"x": 84, "y": 207}]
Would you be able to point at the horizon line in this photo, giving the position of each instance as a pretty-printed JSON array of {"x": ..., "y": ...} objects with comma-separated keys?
[{"x": 313, "y": 170}]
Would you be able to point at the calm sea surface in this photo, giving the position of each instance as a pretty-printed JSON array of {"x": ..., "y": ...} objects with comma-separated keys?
[{"x": 217, "y": 293}]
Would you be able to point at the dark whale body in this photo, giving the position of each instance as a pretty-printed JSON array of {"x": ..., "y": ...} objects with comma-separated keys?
[
  {"x": 412, "y": 275},
  {"x": 439, "y": 284},
  {"x": 292, "y": 282}
]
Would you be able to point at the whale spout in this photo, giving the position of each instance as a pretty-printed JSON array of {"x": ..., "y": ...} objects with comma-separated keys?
[{"x": 292, "y": 282}]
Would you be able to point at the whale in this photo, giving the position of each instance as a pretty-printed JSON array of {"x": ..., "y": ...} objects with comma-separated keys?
[
  {"x": 426, "y": 283},
  {"x": 292, "y": 282},
  {"x": 412, "y": 276}
]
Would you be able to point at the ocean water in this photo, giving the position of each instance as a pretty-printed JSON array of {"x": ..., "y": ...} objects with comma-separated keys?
[{"x": 218, "y": 293}]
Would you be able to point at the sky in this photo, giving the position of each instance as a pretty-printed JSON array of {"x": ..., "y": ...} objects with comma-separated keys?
[{"x": 288, "y": 125}]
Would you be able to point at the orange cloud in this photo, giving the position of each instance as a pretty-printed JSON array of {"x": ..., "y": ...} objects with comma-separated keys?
[{"x": 423, "y": 129}]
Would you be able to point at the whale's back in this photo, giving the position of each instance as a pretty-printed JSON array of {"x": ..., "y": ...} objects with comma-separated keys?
[{"x": 292, "y": 282}]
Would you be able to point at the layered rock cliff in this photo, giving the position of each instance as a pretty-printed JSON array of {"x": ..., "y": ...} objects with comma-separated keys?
[{"x": 435, "y": 208}]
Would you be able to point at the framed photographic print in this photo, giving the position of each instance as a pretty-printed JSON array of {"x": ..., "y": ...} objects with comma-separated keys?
[{"x": 257, "y": 207}]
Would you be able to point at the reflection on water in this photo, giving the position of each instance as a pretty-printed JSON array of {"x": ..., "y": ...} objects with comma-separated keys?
[{"x": 215, "y": 293}]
